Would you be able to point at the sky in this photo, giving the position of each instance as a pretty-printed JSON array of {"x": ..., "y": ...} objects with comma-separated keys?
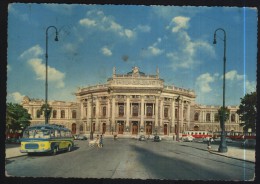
[{"x": 95, "y": 38}]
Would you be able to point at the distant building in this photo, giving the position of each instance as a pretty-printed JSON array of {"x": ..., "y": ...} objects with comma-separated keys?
[{"x": 132, "y": 104}]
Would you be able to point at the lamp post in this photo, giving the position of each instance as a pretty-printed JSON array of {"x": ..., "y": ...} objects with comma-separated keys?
[
  {"x": 223, "y": 146},
  {"x": 46, "y": 64},
  {"x": 178, "y": 127}
]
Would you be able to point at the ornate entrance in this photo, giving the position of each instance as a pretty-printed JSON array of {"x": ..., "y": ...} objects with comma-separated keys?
[
  {"x": 120, "y": 127},
  {"x": 103, "y": 128},
  {"x": 165, "y": 129},
  {"x": 135, "y": 128},
  {"x": 73, "y": 128},
  {"x": 148, "y": 128}
]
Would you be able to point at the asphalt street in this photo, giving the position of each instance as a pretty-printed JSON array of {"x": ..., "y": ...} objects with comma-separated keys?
[{"x": 133, "y": 159}]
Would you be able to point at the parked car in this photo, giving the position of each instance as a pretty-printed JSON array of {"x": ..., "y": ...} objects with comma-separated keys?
[
  {"x": 250, "y": 143},
  {"x": 80, "y": 137},
  {"x": 188, "y": 138},
  {"x": 229, "y": 140},
  {"x": 157, "y": 138},
  {"x": 142, "y": 138}
]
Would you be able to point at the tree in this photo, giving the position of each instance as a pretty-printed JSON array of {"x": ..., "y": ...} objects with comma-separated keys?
[
  {"x": 49, "y": 110},
  {"x": 226, "y": 114},
  {"x": 17, "y": 118},
  {"x": 247, "y": 112}
]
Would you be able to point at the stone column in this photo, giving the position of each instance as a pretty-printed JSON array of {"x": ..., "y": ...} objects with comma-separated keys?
[
  {"x": 97, "y": 115},
  {"x": 82, "y": 114},
  {"x": 161, "y": 114},
  {"x": 188, "y": 114},
  {"x": 127, "y": 110},
  {"x": 142, "y": 112},
  {"x": 113, "y": 112},
  {"x": 156, "y": 111},
  {"x": 181, "y": 116},
  {"x": 172, "y": 115},
  {"x": 89, "y": 113}
]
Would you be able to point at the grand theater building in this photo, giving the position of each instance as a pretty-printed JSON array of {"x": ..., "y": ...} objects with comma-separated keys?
[{"x": 131, "y": 104}]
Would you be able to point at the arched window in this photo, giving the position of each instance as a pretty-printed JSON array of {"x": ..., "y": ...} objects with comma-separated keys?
[
  {"x": 166, "y": 112},
  {"x": 233, "y": 117},
  {"x": 62, "y": 114},
  {"x": 208, "y": 117},
  {"x": 74, "y": 114},
  {"x": 196, "y": 116},
  {"x": 54, "y": 114},
  {"x": 38, "y": 114},
  {"x": 104, "y": 111}
]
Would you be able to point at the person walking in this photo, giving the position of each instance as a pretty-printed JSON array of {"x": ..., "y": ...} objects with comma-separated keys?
[
  {"x": 101, "y": 141},
  {"x": 209, "y": 144}
]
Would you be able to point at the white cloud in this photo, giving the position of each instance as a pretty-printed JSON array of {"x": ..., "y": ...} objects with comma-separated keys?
[
  {"x": 33, "y": 52},
  {"x": 15, "y": 97},
  {"x": 187, "y": 53},
  {"x": 87, "y": 22},
  {"x": 9, "y": 68},
  {"x": 153, "y": 50},
  {"x": 143, "y": 28},
  {"x": 32, "y": 57},
  {"x": 233, "y": 75},
  {"x": 106, "y": 51},
  {"x": 203, "y": 82},
  {"x": 250, "y": 86},
  {"x": 180, "y": 23},
  {"x": 98, "y": 20},
  {"x": 53, "y": 74},
  {"x": 69, "y": 47}
]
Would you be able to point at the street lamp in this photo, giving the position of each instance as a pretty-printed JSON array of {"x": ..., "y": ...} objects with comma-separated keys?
[
  {"x": 178, "y": 127},
  {"x": 223, "y": 146},
  {"x": 46, "y": 82}
]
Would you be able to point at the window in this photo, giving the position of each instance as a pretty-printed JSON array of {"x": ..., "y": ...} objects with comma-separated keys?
[
  {"x": 81, "y": 128},
  {"x": 121, "y": 109},
  {"x": 62, "y": 114},
  {"x": 216, "y": 117},
  {"x": 208, "y": 117},
  {"x": 94, "y": 111},
  {"x": 176, "y": 113},
  {"x": 38, "y": 115},
  {"x": 149, "y": 110},
  {"x": 196, "y": 116},
  {"x": 135, "y": 109},
  {"x": 74, "y": 114},
  {"x": 54, "y": 114},
  {"x": 233, "y": 117},
  {"x": 166, "y": 112},
  {"x": 104, "y": 111}
]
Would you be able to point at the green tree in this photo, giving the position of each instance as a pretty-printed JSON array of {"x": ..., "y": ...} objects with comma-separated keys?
[
  {"x": 247, "y": 111},
  {"x": 49, "y": 110},
  {"x": 226, "y": 114},
  {"x": 17, "y": 118}
]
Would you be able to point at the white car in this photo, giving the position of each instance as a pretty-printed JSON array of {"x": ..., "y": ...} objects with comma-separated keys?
[{"x": 188, "y": 138}]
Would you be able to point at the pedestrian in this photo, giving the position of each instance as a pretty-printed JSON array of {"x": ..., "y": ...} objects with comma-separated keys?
[
  {"x": 101, "y": 141},
  {"x": 209, "y": 144}
]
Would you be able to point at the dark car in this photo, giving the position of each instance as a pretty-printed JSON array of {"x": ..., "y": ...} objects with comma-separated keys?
[
  {"x": 156, "y": 138},
  {"x": 142, "y": 138},
  {"x": 250, "y": 143},
  {"x": 80, "y": 137}
]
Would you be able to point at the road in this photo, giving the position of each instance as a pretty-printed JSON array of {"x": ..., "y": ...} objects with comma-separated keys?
[{"x": 129, "y": 158}]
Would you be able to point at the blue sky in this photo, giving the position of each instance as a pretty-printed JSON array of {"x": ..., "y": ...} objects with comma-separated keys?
[{"x": 95, "y": 38}]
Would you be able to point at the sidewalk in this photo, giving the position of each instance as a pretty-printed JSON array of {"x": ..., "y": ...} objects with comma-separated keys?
[
  {"x": 237, "y": 153},
  {"x": 13, "y": 151}
]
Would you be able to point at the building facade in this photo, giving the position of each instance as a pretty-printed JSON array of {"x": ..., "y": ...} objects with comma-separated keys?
[{"x": 132, "y": 104}]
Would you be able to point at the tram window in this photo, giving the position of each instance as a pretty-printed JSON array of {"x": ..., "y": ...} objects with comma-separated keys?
[
  {"x": 191, "y": 133},
  {"x": 57, "y": 133},
  {"x": 62, "y": 132}
]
